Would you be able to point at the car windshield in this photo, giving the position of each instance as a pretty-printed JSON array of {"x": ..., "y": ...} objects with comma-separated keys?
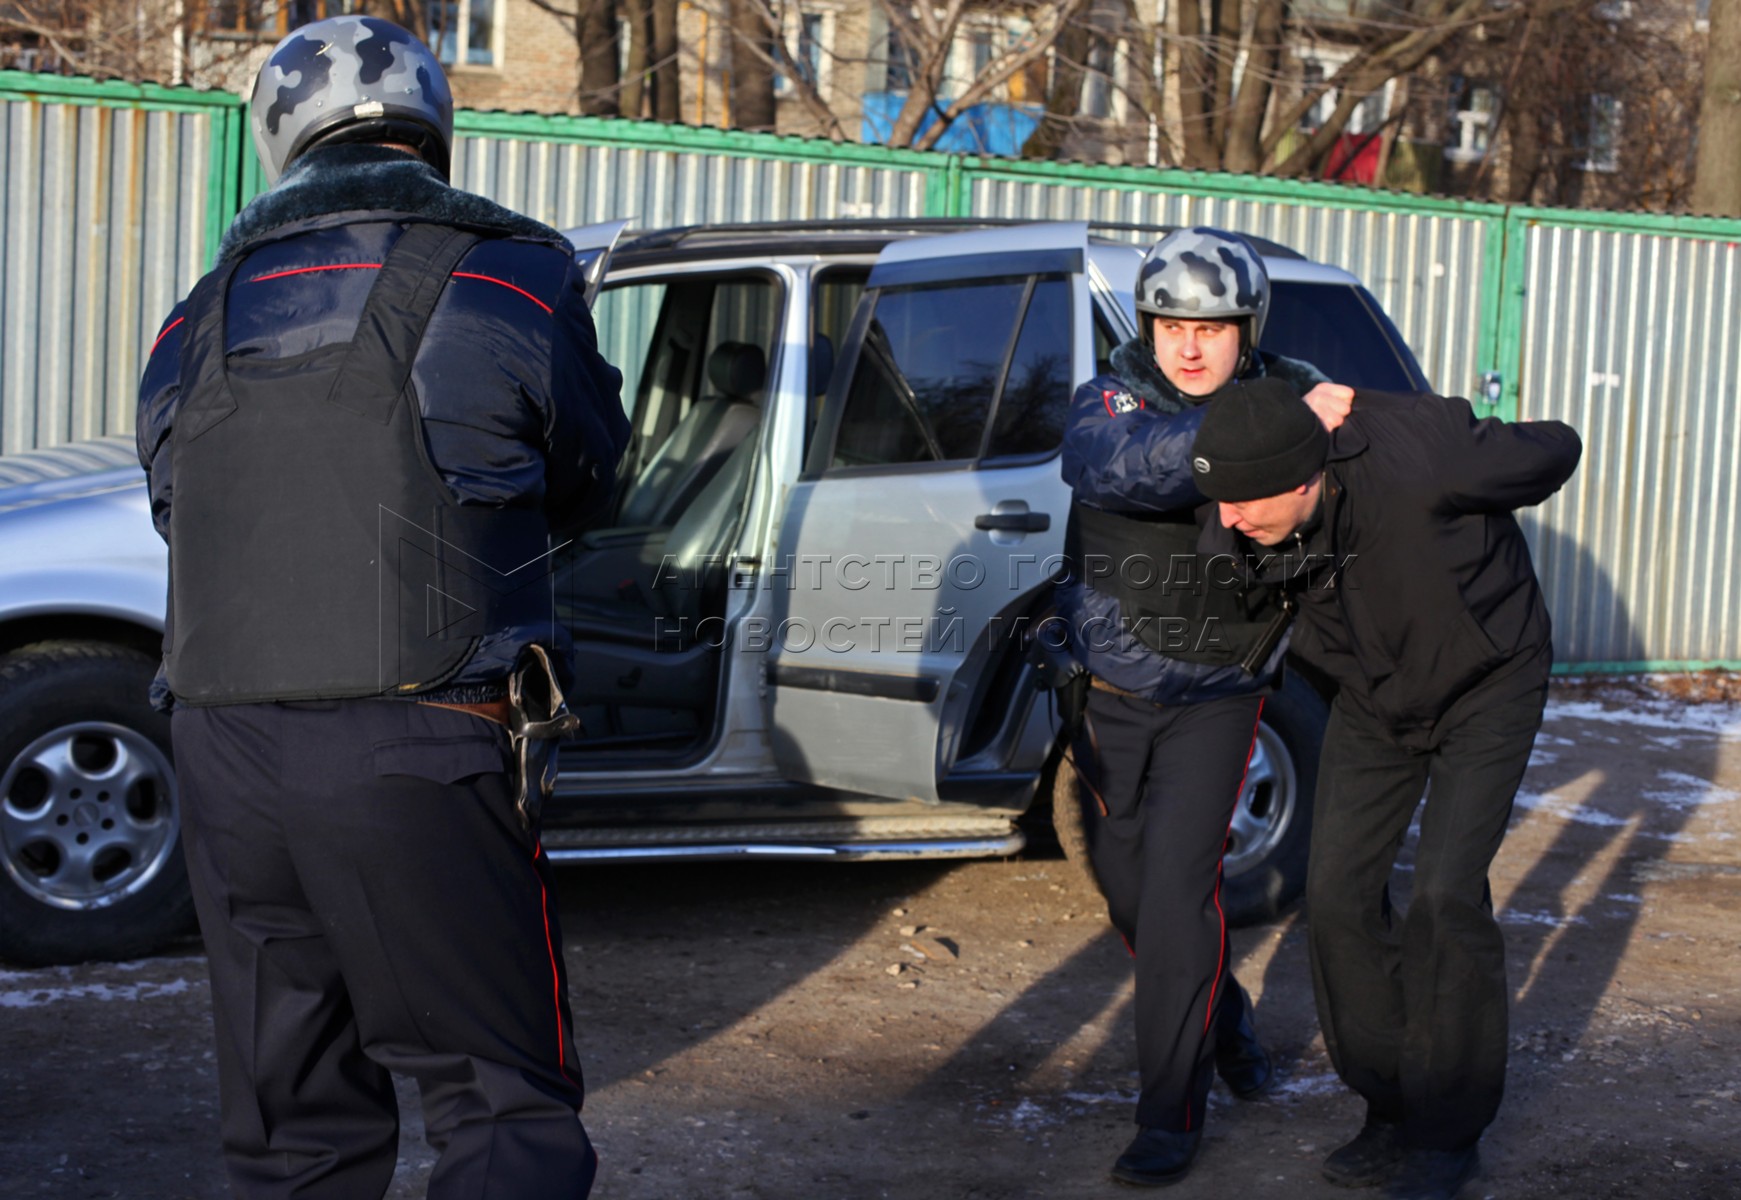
[{"x": 1340, "y": 329}]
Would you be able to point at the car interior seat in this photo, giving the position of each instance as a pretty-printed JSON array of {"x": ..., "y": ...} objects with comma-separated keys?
[
  {"x": 698, "y": 447},
  {"x": 649, "y": 645}
]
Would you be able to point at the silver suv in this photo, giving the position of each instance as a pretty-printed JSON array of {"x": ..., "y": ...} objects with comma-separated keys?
[{"x": 798, "y": 633}]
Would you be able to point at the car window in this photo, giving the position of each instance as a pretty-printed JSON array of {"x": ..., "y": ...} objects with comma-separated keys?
[
  {"x": 682, "y": 352},
  {"x": 923, "y": 387},
  {"x": 1036, "y": 392},
  {"x": 923, "y": 334},
  {"x": 835, "y": 298},
  {"x": 625, "y": 316},
  {"x": 1336, "y": 328},
  {"x": 1104, "y": 344}
]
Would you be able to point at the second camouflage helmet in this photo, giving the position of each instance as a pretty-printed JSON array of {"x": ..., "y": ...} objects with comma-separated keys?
[
  {"x": 350, "y": 79},
  {"x": 1203, "y": 274}
]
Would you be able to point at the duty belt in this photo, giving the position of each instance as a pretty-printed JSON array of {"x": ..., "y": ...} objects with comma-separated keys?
[{"x": 536, "y": 717}]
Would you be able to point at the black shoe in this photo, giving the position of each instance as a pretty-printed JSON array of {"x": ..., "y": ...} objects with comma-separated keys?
[
  {"x": 1433, "y": 1174},
  {"x": 1369, "y": 1160},
  {"x": 1157, "y": 1158},
  {"x": 1240, "y": 1059}
]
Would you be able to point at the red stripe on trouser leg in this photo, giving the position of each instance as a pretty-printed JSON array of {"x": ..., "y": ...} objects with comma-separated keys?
[
  {"x": 1221, "y": 959},
  {"x": 555, "y": 976}
]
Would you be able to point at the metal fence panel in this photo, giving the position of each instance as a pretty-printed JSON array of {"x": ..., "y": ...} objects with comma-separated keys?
[
  {"x": 104, "y": 213},
  {"x": 111, "y": 199},
  {"x": 1427, "y": 270},
  {"x": 565, "y": 184},
  {"x": 1633, "y": 339}
]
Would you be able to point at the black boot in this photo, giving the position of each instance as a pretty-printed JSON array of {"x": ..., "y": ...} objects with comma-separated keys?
[
  {"x": 1240, "y": 1058},
  {"x": 1433, "y": 1174},
  {"x": 1367, "y": 1161},
  {"x": 1157, "y": 1158}
]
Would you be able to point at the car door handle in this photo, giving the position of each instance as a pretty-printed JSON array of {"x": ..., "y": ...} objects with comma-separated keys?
[{"x": 1014, "y": 522}]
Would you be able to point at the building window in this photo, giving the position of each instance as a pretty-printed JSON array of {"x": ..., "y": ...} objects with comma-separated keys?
[
  {"x": 465, "y": 32},
  {"x": 1469, "y": 129},
  {"x": 810, "y": 41},
  {"x": 270, "y": 18},
  {"x": 982, "y": 48},
  {"x": 1312, "y": 75},
  {"x": 1602, "y": 142},
  {"x": 899, "y": 71},
  {"x": 1368, "y": 115},
  {"x": 1097, "y": 80}
]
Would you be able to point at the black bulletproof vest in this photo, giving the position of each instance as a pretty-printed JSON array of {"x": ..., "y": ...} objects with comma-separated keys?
[
  {"x": 1174, "y": 600},
  {"x": 315, "y": 551}
]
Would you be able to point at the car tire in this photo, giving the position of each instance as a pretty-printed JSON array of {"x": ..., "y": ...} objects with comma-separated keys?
[
  {"x": 90, "y": 825},
  {"x": 1270, "y": 837}
]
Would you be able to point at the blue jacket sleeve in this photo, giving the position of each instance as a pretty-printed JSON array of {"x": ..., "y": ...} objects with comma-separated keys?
[
  {"x": 586, "y": 430},
  {"x": 159, "y": 393},
  {"x": 1122, "y": 455}
]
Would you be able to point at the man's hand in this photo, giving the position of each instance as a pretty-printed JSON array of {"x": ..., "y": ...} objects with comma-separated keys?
[{"x": 1332, "y": 402}]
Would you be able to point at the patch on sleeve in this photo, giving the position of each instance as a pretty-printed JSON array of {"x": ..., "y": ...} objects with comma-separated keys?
[{"x": 1119, "y": 403}]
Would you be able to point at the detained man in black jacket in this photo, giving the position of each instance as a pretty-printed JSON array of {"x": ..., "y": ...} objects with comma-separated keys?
[
  {"x": 360, "y": 432},
  {"x": 1428, "y": 617}
]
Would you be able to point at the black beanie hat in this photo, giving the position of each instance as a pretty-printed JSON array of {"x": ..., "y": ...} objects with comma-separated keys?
[{"x": 1258, "y": 439}]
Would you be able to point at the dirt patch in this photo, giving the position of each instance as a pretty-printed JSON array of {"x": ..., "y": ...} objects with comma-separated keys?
[{"x": 807, "y": 1031}]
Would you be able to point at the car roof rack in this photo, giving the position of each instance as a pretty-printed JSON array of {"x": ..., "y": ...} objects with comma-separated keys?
[{"x": 665, "y": 239}]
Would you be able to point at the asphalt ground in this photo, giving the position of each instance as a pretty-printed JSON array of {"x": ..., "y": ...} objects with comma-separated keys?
[{"x": 915, "y": 1030}]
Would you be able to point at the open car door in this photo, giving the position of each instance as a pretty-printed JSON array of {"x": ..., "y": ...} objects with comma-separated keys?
[
  {"x": 929, "y": 499},
  {"x": 592, "y": 250}
]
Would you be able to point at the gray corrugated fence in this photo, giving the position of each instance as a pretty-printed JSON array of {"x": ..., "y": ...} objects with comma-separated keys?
[
  {"x": 1624, "y": 325},
  {"x": 565, "y": 184},
  {"x": 1633, "y": 340},
  {"x": 104, "y": 212}
]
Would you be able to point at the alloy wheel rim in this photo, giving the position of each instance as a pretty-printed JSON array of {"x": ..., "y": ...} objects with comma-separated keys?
[
  {"x": 1266, "y": 803},
  {"x": 88, "y": 815}
]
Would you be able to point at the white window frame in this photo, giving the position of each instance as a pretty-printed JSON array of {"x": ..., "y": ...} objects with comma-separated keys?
[
  {"x": 1005, "y": 31},
  {"x": 1330, "y": 61},
  {"x": 791, "y": 26},
  {"x": 1467, "y": 121},
  {"x": 1112, "y": 78},
  {"x": 462, "y": 37},
  {"x": 1616, "y": 115}
]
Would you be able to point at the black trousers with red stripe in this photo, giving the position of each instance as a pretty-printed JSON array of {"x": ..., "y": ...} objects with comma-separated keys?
[
  {"x": 1162, "y": 784},
  {"x": 371, "y": 904}
]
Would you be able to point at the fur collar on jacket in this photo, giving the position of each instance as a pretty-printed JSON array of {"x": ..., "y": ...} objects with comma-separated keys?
[
  {"x": 1134, "y": 364},
  {"x": 376, "y": 182}
]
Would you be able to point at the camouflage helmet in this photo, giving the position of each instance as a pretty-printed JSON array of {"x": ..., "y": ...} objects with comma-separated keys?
[
  {"x": 1203, "y": 274},
  {"x": 351, "y": 79}
]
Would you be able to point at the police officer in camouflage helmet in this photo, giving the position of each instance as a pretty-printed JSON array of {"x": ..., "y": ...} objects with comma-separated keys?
[
  {"x": 362, "y": 431},
  {"x": 1171, "y": 717}
]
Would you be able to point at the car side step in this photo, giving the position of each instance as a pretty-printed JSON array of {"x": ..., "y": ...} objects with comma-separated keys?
[{"x": 845, "y": 840}]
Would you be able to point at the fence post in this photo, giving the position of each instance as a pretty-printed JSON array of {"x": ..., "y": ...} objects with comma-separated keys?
[{"x": 1513, "y": 287}]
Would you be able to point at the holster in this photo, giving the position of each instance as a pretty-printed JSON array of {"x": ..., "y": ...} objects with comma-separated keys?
[
  {"x": 1056, "y": 670},
  {"x": 538, "y": 720}
]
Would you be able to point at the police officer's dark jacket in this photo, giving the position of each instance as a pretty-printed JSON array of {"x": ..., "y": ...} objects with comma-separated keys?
[
  {"x": 1435, "y": 611},
  {"x": 1127, "y": 459},
  {"x": 515, "y": 431}
]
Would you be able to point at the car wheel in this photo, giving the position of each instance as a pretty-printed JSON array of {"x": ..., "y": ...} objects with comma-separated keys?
[
  {"x": 90, "y": 828},
  {"x": 1068, "y": 823},
  {"x": 1270, "y": 836}
]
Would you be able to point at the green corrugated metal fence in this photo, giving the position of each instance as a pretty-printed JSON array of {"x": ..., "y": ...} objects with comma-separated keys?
[{"x": 1624, "y": 324}]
